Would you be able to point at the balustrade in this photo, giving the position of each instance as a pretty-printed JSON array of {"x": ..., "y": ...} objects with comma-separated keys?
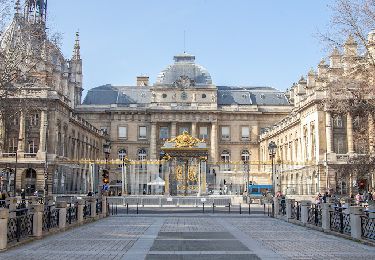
[
  {"x": 315, "y": 215},
  {"x": 20, "y": 226}
]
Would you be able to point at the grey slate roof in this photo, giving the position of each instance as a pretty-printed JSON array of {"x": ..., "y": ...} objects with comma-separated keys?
[{"x": 226, "y": 95}]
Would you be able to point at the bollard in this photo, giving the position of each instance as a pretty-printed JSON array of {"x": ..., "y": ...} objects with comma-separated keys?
[
  {"x": 249, "y": 208},
  {"x": 264, "y": 209},
  {"x": 137, "y": 208},
  {"x": 203, "y": 207},
  {"x": 4, "y": 216},
  {"x": 116, "y": 209},
  {"x": 61, "y": 206},
  {"x": 38, "y": 210},
  {"x": 127, "y": 208},
  {"x": 229, "y": 207},
  {"x": 240, "y": 209},
  {"x": 355, "y": 221},
  {"x": 81, "y": 204},
  {"x": 213, "y": 208}
]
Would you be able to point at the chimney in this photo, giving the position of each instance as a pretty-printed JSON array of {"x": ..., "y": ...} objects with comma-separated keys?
[{"x": 142, "y": 81}]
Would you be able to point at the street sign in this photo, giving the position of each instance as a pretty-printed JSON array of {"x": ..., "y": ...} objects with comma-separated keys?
[
  {"x": 203, "y": 199},
  {"x": 169, "y": 199}
]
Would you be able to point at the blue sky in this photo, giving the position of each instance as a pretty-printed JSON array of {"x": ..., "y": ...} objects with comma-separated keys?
[{"x": 240, "y": 42}]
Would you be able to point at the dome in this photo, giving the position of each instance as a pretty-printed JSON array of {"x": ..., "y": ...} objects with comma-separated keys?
[{"x": 184, "y": 72}]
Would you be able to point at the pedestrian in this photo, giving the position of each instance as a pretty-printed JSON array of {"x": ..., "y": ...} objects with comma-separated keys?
[
  {"x": 325, "y": 196},
  {"x": 358, "y": 198},
  {"x": 369, "y": 196},
  {"x": 318, "y": 199}
]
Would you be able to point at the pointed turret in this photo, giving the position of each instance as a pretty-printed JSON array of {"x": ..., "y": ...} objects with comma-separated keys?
[
  {"x": 335, "y": 58},
  {"x": 350, "y": 47},
  {"x": 76, "y": 76},
  {"x": 36, "y": 11},
  {"x": 77, "y": 49}
]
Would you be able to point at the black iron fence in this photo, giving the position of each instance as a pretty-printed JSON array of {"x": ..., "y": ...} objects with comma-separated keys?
[
  {"x": 50, "y": 218},
  {"x": 368, "y": 227},
  {"x": 20, "y": 226},
  {"x": 99, "y": 206},
  {"x": 315, "y": 215},
  {"x": 296, "y": 210},
  {"x": 71, "y": 213},
  {"x": 87, "y": 210},
  {"x": 340, "y": 221}
]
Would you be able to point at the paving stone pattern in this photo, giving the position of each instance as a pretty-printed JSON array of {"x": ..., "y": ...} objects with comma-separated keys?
[{"x": 190, "y": 237}]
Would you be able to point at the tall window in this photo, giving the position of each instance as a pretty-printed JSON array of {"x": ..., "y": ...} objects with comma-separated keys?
[
  {"x": 225, "y": 158},
  {"x": 122, "y": 132},
  {"x": 33, "y": 148},
  {"x": 225, "y": 133},
  {"x": 142, "y": 132},
  {"x": 34, "y": 119},
  {"x": 245, "y": 156},
  {"x": 203, "y": 132},
  {"x": 337, "y": 121},
  {"x": 13, "y": 143},
  {"x": 245, "y": 133},
  {"x": 122, "y": 154},
  {"x": 163, "y": 132}
]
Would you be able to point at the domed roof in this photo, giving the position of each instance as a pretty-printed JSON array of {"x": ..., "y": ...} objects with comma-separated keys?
[{"x": 184, "y": 72}]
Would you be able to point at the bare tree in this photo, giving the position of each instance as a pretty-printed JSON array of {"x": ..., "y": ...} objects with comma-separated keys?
[{"x": 351, "y": 89}]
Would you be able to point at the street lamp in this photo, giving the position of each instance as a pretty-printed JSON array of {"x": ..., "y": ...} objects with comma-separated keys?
[
  {"x": 107, "y": 152},
  {"x": 272, "y": 151}
]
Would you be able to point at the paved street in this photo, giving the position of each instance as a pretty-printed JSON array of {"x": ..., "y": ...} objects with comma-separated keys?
[{"x": 191, "y": 236}]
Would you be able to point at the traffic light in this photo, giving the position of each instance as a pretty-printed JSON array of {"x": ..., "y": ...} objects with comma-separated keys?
[{"x": 105, "y": 176}]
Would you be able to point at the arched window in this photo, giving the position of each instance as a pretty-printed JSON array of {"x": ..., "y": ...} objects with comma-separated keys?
[
  {"x": 142, "y": 154},
  {"x": 245, "y": 156},
  {"x": 121, "y": 154},
  {"x": 225, "y": 158}
]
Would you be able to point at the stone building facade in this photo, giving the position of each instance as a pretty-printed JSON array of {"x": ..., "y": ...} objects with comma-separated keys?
[
  {"x": 314, "y": 142},
  {"x": 42, "y": 138},
  {"x": 140, "y": 118}
]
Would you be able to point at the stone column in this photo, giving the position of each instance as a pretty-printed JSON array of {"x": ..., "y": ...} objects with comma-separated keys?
[
  {"x": 194, "y": 129},
  {"x": 38, "y": 219},
  {"x": 4, "y": 216},
  {"x": 21, "y": 135},
  {"x": 61, "y": 206},
  {"x": 326, "y": 208},
  {"x": 289, "y": 203},
  {"x": 371, "y": 133},
  {"x": 153, "y": 155},
  {"x": 12, "y": 206},
  {"x": 2, "y": 134},
  {"x": 92, "y": 202},
  {"x": 173, "y": 129},
  {"x": 305, "y": 205},
  {"x": 42, "y": 135},
  {"x": 355, "y": 221},
  {"x": 214, "y": 142},
  {"x": 349, "y": 132},
  {"x": 81, "y": 204},
  {"x": 329, "y": 132}
]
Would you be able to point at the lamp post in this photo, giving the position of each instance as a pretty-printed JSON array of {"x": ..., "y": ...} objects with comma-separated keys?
[
  {"x": 107, "y": 152},
  {"x": 124, "y": 182},
  {"x": 272, "y": 151}
]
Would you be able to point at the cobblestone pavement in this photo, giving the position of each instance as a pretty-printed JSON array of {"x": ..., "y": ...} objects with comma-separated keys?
[{"x": 194, "y": 236}]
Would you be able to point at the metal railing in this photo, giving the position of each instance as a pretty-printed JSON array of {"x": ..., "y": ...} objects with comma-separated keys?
[
  {"x": 340, "y": 221},
  {"x": 86, "y": 210},
  {"x": 50, "y": 218},
  {"x": 368, "y": 227},
  {"x": 99, "y": 206},
  {"x": 315, "y": 215},
  {"x": 20, "y": 226},
  {"x": 71, "y": 213},
  {"x": 296, "y": 210}
]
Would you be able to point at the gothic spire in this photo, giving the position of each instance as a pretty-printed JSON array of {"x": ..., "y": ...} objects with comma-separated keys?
[
  {"x": 77, "y": 48},
  {"x": 17, "y": 7}
]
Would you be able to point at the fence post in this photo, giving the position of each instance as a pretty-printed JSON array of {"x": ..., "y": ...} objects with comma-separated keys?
[
  {"x": 104, "y": 206},
  {"x": 92, "y": 202},
  {"x": 81, "y": 204},
  {"x": 4, "y": 216},
  {"x": 355, "y": 221},
  {"x": 276, "y": 202},
  {"x": 289, "y": 203},
  {"x": 326, "y": 208},
  {"x": 305, "y": 205},
  {"x": 61, "y": 206},
  {"x": 371, "y": 206},
  {"x": 38, "y": 210}
]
